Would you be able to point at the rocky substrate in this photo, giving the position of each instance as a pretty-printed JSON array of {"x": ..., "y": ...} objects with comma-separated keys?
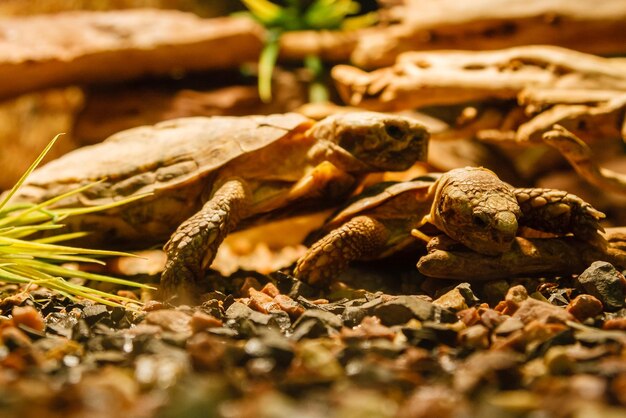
[{"x": 274, "y": 347}]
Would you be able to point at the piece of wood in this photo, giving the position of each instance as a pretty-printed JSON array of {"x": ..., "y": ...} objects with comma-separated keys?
[
  {"x": 93, "y": 47},
  {"x": 515, "y": 94},
  {"x": 586, "y": 25},
  {"x": 580, "y": 156},
  {"x": 419, "y": 79},
  {"x": 527, "y": 256},
  {"x": 333, "y": 46}
]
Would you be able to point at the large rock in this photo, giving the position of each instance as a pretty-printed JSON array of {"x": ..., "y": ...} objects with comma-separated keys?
[
  {"x": 604, "y": 282},
  {"x": 90, "y": 47}
]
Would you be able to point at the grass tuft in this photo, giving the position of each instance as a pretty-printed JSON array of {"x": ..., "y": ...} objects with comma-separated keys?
[
  {"x": 301, "y": 15},
  {"x": 40, "y": 260}
]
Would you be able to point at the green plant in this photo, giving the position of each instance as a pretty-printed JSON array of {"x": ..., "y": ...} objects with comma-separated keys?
[
  {"x": 302, "y": 15},
  {"x": 39, "y": 261}
]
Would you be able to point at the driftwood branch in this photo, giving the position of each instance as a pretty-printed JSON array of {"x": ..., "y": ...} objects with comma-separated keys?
[
  {"x": 528, "y": 256},
  {"x": 450, "y": 77},
  {"x": 580, "y": 157},
  {"x": 534, "y": 87},
  {"x": 334, "y": 46},
  {"x": 586, "y": 25},
  {"x": 589, "y": 118},
  {"x": 88, "y": 47}
]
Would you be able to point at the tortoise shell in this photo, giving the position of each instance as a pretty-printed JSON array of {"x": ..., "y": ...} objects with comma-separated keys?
[
  {"x": 380, "y": 193},
  {"x": 147, "y": 159}
]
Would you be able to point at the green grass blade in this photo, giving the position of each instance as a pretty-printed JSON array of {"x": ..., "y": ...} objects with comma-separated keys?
[
  {"x": 56, "y": 249},
  {"x": 61, "y": 237},
  {"x": 318, "y": 92},
  {"x": 61, "y": 271},
  {"x": 23, "y": 274},
  {"x": 28, "y": 171},
  {"x": 267, "y": 62},
  {"x": 267, "y": 12},
  {"x": 25, "y": 230},
  {"x": 41, "y": 206}
]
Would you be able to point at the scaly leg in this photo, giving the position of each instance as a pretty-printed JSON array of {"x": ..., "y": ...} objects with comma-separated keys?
[
  {"x": 194, "y": 244},
  {"x": 360, "y": 238},
  {"x": 558, "y": 212}
]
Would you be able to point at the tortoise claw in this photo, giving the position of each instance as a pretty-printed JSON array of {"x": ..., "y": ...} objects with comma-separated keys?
[
  {"x": 360, "y": 238},
  {"x": 178, "y": 285},
  {"x": 193, "y": 246}
]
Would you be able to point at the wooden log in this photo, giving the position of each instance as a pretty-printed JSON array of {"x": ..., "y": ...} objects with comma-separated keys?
[
  {"x": 331, "y": 46},
  {"x": 534, "y": 87},
  {"x": 527, "y": 256},
  {"x": 451, "y": 77},
  {"x": 590, "y": 118},
  {"x": 586, "y": 25},
  {"x": 93, "y": 47},
  {"x": 29, "y": 122},
  {"x": 581, "y": 158}
]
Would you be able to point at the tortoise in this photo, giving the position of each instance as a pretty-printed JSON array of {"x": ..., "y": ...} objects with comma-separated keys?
[
  {"x": 471, "y": 205},
  {"x": 207, "y": 176}
]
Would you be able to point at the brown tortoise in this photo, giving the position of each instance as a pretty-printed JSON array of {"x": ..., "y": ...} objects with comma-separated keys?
[
  {"x": 209, "y": 176},
  {"x": 470, "y": 205}
]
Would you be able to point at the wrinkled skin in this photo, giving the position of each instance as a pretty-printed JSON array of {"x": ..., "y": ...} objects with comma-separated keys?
[{"x": 472, "y": 206}]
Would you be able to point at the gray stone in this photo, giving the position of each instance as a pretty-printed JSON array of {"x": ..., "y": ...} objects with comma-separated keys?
[
  {"x": 94, "y": 313},
  {"x": 466, "y": 291},
  {"x": 353, "y": 315},
  {"x": 604, "y": 282},
  {"x": 327, "y": 318},
  {"x": 404, "y": 308},
  {"x": 316, "y": 323},
  {"x": 238, "y": 311},
  {"x": 247, "y": 321},
  {"x": 509, "y": 325}
]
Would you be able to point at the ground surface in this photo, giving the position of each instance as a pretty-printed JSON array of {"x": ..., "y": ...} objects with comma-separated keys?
[{"x": 274, "y": 347}]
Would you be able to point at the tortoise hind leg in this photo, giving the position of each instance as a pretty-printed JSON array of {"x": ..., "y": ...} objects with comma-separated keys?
[
  {"x": 192, "y": 247},
  {"x": 558, "y": 212},
  {"x": 360, "y": 238}
]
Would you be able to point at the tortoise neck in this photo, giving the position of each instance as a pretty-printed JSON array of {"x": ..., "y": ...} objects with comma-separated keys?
[{"x": 339, "y": 157}]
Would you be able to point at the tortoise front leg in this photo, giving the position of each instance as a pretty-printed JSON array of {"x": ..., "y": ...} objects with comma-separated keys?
[
  {"x": 360, "y": 238},
  {"x": 194, "y": 244},
  {"x": 558, "y": 212}
]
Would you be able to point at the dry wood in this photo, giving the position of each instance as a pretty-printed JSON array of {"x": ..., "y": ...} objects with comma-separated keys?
[
  {"x": 335, "y": 46},
  {"x": 89, "y": 47},
  {"x": 29, "y": 122},
  {"x": 450, "y": 77},
  {"x": 580, "y": 157},
  {"x": 527, "y": 256},
  {"x": 540, "y": 85},
  {"x": 589, "y": 118},
  {"x": 586, "y": 25}
]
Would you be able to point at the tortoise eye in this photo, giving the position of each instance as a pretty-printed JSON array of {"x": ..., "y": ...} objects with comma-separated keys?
[
  {"x": 394, "y": 131},
  {"x": 479, "y": 221}
]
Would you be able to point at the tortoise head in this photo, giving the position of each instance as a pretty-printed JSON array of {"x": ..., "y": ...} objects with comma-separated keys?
[
  {"x": 473, "y": 206},
  {"x": 383, "y": 142}
]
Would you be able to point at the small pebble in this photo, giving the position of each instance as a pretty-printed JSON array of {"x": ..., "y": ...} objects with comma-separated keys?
[
  {"x": 29, "y": 316},
  {"x": 584, "y": 306},
  {"x": 170, "y": 320},
  {"x": 201, "y": 321},
  {"x": 453, "y": 300},
  {"x": 476, "y": 336},
  {"x": 604, "y": 282}
]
